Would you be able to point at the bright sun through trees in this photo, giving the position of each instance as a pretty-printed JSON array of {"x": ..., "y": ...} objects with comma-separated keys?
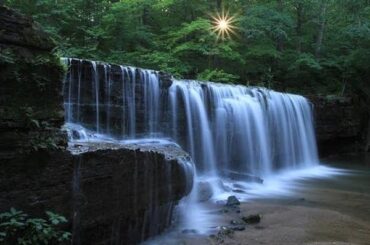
[{"x": 223, "y": 25}]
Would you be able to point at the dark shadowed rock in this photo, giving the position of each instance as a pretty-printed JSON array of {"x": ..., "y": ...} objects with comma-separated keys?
[
  {"x": 238, "y": 227},
  {"x": 252, "y": 219},
  {"x": 341, "y": 124},
  {"x": 232, "y": 201},
  {"x": 238, "y": 191},
  {"x": 31, "y": 102},
  {"x": 242, "y": 176},
  {"x": 189, "y": 231},
  {"x": 110, "y": 193},
  {"x": 205, "y": 191}
]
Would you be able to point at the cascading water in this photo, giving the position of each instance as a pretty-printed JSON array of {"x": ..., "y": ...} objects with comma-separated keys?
[
  {"x": 227, "y": 129},
  {"x": 223, "y": 127}
]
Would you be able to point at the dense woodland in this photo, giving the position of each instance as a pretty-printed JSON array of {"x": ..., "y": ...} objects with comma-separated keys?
[{"x": 306, "y": 46}]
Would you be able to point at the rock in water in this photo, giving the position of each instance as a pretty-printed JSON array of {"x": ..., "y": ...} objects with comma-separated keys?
[
  {"x": 252, "y": 219},
  {"x": 242, "y": 176},
  {"x": 204, "y": 191},
  {"x": 189, "y": 231},
  {"x": 232, "y": 201},
  {"x": 238, "y": 228}
]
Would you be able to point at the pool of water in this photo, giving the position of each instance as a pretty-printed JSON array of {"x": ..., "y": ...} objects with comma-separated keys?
[{"x": 340, "y": 184}]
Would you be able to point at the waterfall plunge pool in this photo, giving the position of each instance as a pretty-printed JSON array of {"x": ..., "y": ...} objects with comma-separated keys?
[
  {"x": 248, "y": 130},
  {"x": 326, "y": 204}
]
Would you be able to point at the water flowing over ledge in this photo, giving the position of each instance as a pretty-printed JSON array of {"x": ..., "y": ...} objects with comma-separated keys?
[
  {"x": 234, "y": 133},
  {"x": 225, "y": 128}
]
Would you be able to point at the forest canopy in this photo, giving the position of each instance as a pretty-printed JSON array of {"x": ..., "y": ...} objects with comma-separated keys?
[{"x": 306, "y": 46}]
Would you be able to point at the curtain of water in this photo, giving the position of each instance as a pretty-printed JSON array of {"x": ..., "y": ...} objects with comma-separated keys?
[{"x": 225, "y": 128}]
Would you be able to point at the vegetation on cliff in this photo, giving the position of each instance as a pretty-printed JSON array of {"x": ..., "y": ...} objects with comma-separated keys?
[
  {"x": 31, "y": 109},
  {"x": 16, "y": 227},
  {"x": 310, "y": 46}
]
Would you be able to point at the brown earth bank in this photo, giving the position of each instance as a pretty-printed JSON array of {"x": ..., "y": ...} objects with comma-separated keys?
[{"x": 325, "y": 211}]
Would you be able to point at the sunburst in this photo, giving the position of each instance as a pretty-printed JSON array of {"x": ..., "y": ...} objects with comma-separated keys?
[{"x": 223, "y": 25}]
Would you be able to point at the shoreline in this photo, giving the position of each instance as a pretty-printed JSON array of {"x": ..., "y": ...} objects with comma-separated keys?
[{"x": 319, "y": 212}]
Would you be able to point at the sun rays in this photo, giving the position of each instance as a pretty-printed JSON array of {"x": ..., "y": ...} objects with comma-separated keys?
[{"x": 223, "y": 25}]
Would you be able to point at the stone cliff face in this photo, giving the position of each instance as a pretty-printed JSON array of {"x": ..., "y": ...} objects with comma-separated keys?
[
  {"x": 110, "y": 193},
  {"x": 119, "y": 194},
  {"x": 123, "y": 195},
  {"x": 340, "y": 122},
  {"x": 31, "y": 109},
  {"x": 82, "y": 76},
  {"x": 340, "y": 125}
]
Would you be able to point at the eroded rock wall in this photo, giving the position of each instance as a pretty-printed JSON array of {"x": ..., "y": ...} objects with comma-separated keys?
[
  {"x": 109, "y": 87},
  {"x": 125, "y": 195},
  {"x": 31, "y": 102},
  {"x": 340, "y": 123},
  {"x": 110, "y": 195}
]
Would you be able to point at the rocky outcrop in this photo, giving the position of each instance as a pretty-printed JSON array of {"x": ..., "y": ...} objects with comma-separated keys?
[
  {"x": 113, "y": 88},
  {"x": 123, "y": 195},
  {"x": 31, "y": 104},
  {"x": 339, "y": 120},
  {"x": 110, "y": 193},
  {"x": 339, "y": 124}
]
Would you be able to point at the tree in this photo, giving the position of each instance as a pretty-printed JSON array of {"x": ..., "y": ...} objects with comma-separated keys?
[{"x": 306, "y": 46}]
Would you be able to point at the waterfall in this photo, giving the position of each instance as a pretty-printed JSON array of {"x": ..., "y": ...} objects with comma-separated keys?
[{"x": 227, "y": 129}]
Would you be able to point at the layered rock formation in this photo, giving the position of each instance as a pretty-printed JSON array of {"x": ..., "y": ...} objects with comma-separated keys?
[
  {"x": 115, "y": 194},
  {"x": 123, "y": 195},
  {"x": 340, "y": 121},
  {"x": 103, "y": 83},
  {"x": 31, "y": 111},
  {"x": 111, "y": 193},
  {"x": 340, "y": 124}
]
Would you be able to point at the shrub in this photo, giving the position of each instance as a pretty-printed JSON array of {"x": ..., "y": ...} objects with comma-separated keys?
[{"x": 16, "y": 227}]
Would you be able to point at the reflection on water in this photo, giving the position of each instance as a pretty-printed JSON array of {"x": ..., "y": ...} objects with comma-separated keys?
[{"x": 341, "y": 184}]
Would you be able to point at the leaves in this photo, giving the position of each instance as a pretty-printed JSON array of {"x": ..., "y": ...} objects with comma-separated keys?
[
  {"x": 274, "y": 43},
  {"x": 217, "y": 76},
  {"x": 17, "y": 228}
]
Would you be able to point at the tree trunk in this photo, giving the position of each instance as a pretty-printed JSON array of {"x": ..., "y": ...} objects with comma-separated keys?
[
  {"x": 299, "y": 25},
  {"x": 322, "y": 24},
  {"x": 145, "y": 16},
  {"x": 280, "y": 41},
  {"x": 219, "y": 5}
]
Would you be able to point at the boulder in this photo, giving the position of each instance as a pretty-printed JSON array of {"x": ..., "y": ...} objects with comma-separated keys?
[
  {"x": 252, "y": 219},
  {"x": 108, "y": 192},
  {"x": 232, "y": 201},
  {"x": 205, "y": 191},
  {"x": 242, "y": 176},
  {"x": 31, "y": 102}
]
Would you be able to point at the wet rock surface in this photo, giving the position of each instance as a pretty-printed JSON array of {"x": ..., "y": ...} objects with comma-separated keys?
[
  {"x": 204, "y": 191},
  {"x": 31, "y": 102},
  {"x": 252, "y": 219},
  {"x": 340, "y": 124},
  {"x": 232, "y": 201},
  {"x": 114, "y": 119},
  {"x": 110, "y": 193},
  {"x": 134, "y": 189},
  {"x": 243, "y": 177}
]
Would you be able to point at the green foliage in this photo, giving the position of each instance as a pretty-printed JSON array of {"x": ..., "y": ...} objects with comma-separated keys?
[
  {"x": 309, "y": 46},
  {"x": 6, "y": 56},
  {"x": 217, "y": 76},
  {"x": 16, "y": 227}
]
